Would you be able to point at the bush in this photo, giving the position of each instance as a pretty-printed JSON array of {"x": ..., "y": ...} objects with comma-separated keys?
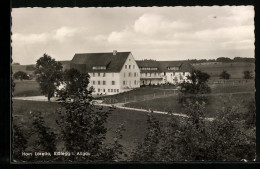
[
  {"x": 19, "y": 143},
  {"x": 194, "y": 88},
  {"x": 224, "y": 75},
  {"x": 196, "y": 138},
  {"x": 21, "y": 75}
]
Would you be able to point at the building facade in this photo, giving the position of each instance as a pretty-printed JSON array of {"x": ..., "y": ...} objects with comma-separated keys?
[
  {"x": 116, "y": 72},
  {"x": 163, "y": 72},
  {"x": 110, "y": 73}
]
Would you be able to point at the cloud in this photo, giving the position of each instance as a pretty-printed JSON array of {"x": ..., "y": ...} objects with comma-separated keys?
[
  {"x": 30, "y": 38},
  {"x": 63, "y": 33},
  {"x": 152, "y": 23}
]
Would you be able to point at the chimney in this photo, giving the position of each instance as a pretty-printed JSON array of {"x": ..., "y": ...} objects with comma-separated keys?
[{"x": 114, "y": 52}]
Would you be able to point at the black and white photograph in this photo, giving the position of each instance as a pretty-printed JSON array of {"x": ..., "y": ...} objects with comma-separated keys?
[{"x": 133, "y": 84}]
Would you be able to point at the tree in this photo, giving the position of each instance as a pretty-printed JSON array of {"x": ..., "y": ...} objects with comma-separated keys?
[
  {"x": 247, "y": 75},
  {"x": 224, "y": 59},
  {"x": 83, "y": 124},
  {"x": 72, "y": 79},
  {"x": 48, "y": 74},
  {"x": 148, "y": 149},
  {"x": 195, "y": 85},
  {"x": 224, "y": 75},
  {"x": 21, "y": 75}
]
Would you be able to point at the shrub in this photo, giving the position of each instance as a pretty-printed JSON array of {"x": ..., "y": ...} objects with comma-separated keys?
[
  {"x": 46, "y": 139},
  {"x": 19, "y": 143},
  {"x": 224, "y": 75},
  {"x": 21, "y": 75}
]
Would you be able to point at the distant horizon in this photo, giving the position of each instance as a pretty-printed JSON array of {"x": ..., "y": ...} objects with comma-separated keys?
[{"x": 140, "y": 60}]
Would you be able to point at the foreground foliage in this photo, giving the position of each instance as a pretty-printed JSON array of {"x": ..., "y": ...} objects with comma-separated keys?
[{"x": 196, "y": 138}]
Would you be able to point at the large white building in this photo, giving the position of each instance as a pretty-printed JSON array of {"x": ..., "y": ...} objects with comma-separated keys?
[
  {"x": 116, "y": 72},
  {"x": 110, "y": 73},
  {"x": 163, "y": 72}
]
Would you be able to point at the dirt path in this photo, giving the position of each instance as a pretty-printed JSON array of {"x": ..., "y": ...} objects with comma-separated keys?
[{"x": 117, "y": 105}]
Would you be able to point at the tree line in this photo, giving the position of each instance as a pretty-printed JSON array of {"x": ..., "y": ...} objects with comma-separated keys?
[{"x": 224, "y": 60}]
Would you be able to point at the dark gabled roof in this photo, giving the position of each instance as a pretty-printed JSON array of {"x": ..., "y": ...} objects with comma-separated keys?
[
  {"x": 147, "y": 63},
  {"x": 165, "y": 64},
  {"x": 113, "y": 63}
]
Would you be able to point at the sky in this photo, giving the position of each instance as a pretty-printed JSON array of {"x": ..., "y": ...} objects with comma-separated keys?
[{"x": 160, "y": 33}]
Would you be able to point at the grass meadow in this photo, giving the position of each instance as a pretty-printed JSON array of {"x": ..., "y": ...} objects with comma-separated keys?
[
  {"x": 26, "y": 88},
  {"x": 135, "y": 121},
  {"x": 235, "y": 69}
]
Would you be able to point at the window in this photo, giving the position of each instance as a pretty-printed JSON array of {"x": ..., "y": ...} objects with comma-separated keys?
[
  {"x": 99, "y": 67},
  {"x": 108, "y": 90},
  {"x": 117, "y": 90},
  {"x": 98, "y": 74},
  {"x": 129, "y": 66},
  {"x": 114, "y": 90},
  {"x": 104, "y": 90},
  {"x": 134, "y": 74},
  {"x": 173, "y": 68},
  {"x": 123, "y": 82},
  {"x": 104, "y": 75},
  {"x": 129, "y": 59},
  {"x": 135, "y": 82},
  {"x": 104, "y": 82},
  {"x": 125, "y": 66},
  {"x": 146, "y": 74},
  {"x": 98, "y": 90},
  {"x": 183, "y": 73},
  {"x": 113, "y": 82},
  {"x": 93, "y": 82},
  {"x": 93, "y": 74},
  {"x": 173, "y": 73},
  {"x": 111, "y": 90},
  {"x": 129, "y": 74},
  {"x": 98, "y": 82}
]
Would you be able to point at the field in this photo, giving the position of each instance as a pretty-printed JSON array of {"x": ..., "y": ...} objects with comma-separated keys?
[
  {"x": 26, "y": 88},
  {"x": 235, "y": 69},
  {"x": 235, "y": 91},
  {"x": 135, "y": 122}
]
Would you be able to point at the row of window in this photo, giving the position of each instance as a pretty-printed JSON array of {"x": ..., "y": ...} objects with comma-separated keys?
[
  {"x": 130, "y": 74},
  {"x": 102, "y": 82},
  {"x": 100, "y": 74},
  {"x": 148, "y": 68},
  {"x": 125, "y": 82},
  {"x": 129, "y": 66},
  {"x": 99, "y": 67},
  {"x": 150, "y": 74},
  {"x": 157, "y": 74},
  {"x": 108, "y": 90},
  {"x": 173, "y": 68}
]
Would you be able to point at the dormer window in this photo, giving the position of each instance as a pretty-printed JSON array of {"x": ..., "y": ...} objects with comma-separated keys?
[
  {"x": 173, "y": 68},
  {"x": 99, "y": 68},
  {"x": 149, "y": 68}
]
